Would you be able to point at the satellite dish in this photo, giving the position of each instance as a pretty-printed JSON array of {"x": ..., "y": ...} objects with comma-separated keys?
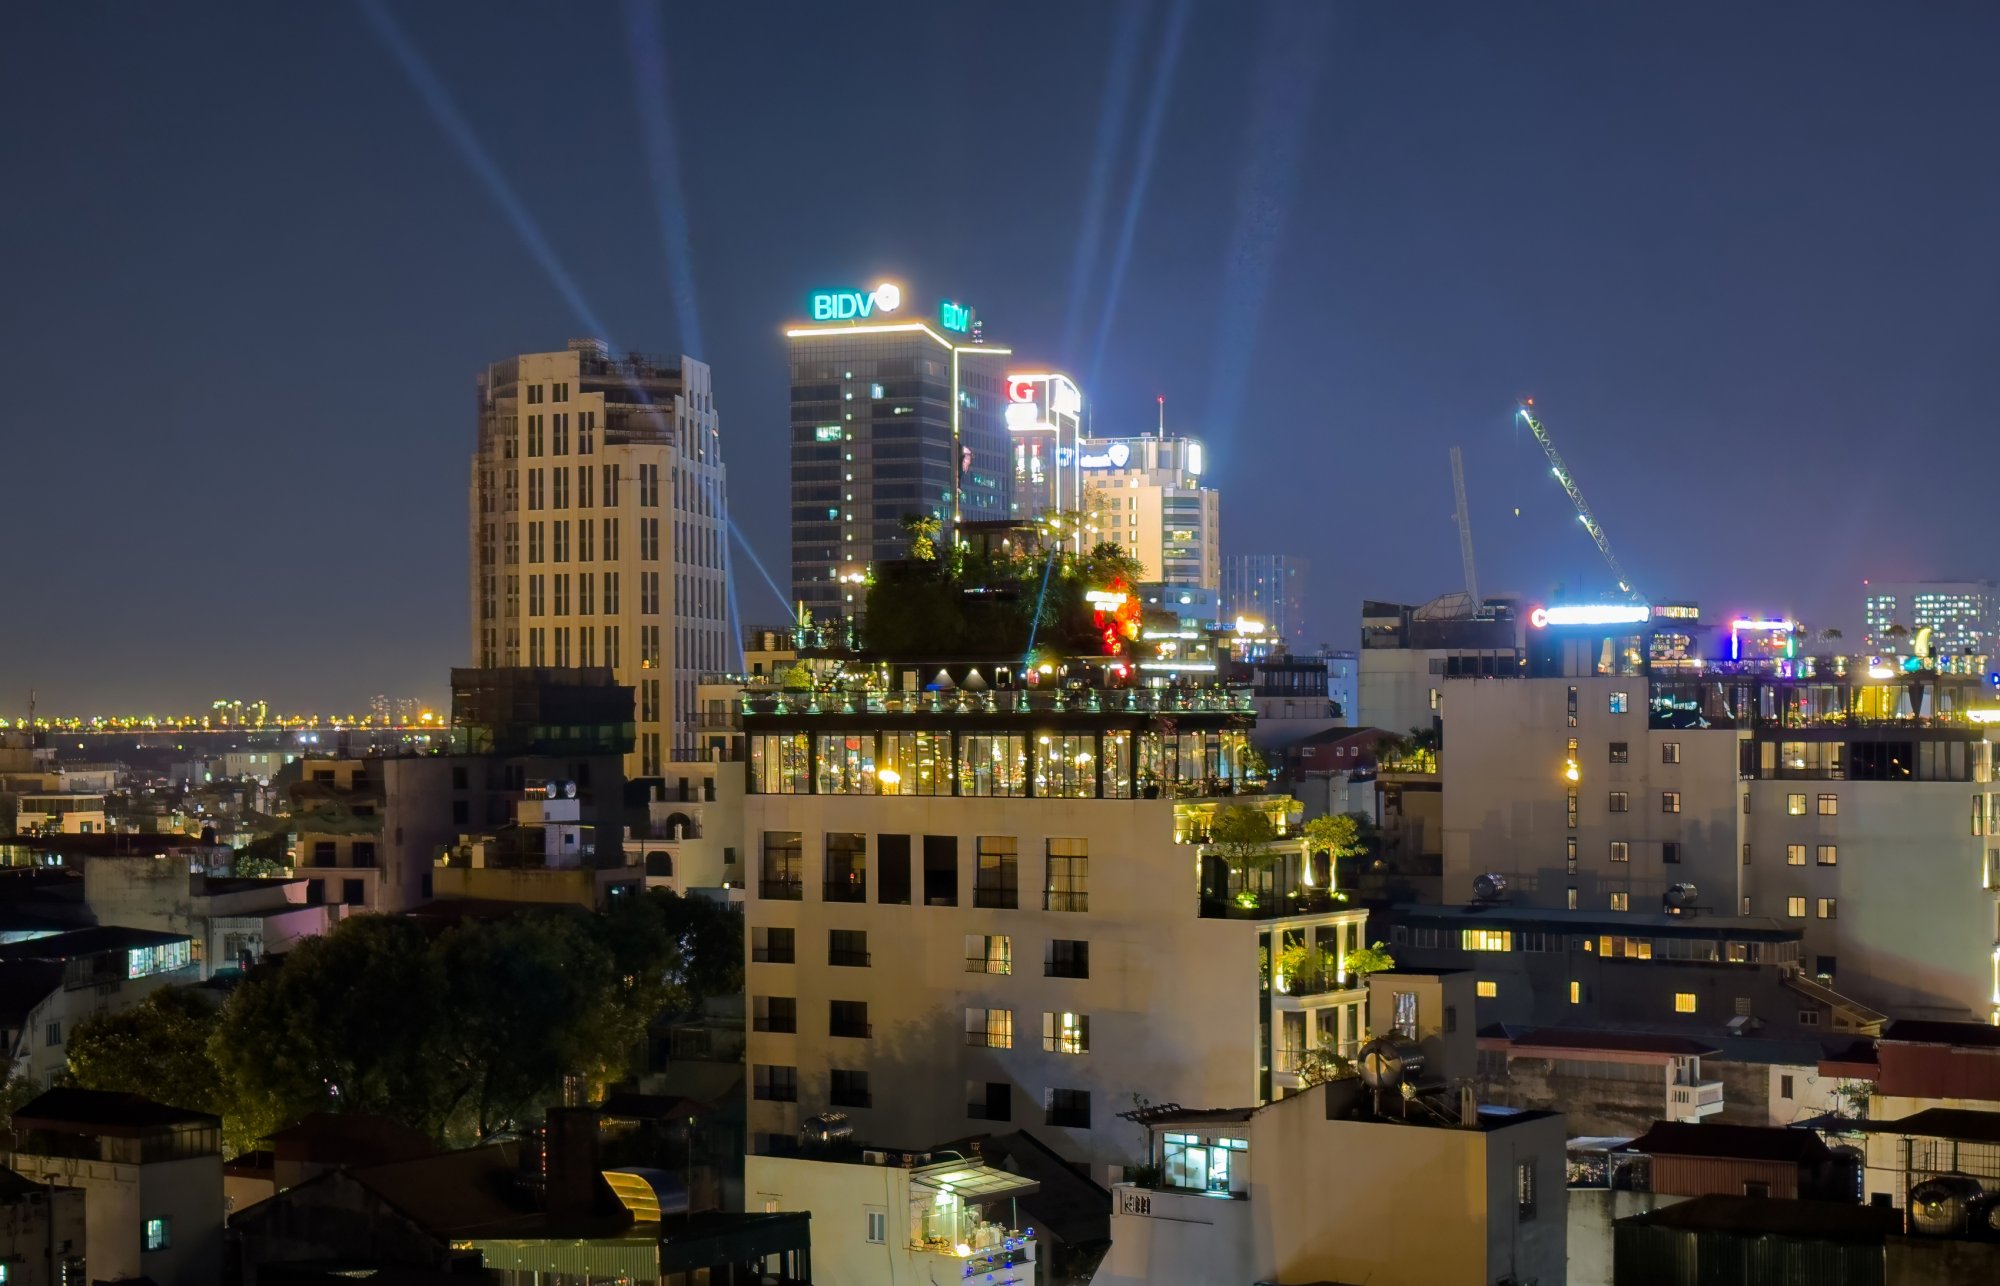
[
  {"x": 569, "y": 790},
  {"x": 549, "y": 789},
  {"x": 1490, "y": 887}
]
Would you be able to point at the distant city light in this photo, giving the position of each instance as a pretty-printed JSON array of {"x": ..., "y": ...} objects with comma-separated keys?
[{"x": 1590, "y": 614}]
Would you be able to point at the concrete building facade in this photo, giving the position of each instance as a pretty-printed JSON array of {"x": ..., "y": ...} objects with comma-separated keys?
[{"x": 1148, "y": 496}]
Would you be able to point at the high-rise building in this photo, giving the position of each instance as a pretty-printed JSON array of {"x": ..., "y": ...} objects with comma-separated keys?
[
  {"x": 1147, "y": 494},
  {"x": 600, "y": 529},
  {"x": 1270, "y": 588},
  {"x": 1962, "y": 615},
  {"x": 896, "y": 410},
  {"x": 1044, "y": 420}
]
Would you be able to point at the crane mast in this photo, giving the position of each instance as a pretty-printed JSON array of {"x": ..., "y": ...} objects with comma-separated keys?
[
  {"x": 1583, "y": 514},
  {"x": 1463, "y": 516}
]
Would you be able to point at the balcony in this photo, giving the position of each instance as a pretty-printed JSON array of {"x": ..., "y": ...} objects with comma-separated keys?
[
  {"x": 848, "y": 958},
  {"x": 1693, "y": 1101},
  {"x": 851, "y": 1098},
  {"x": 1268, "y": 904},
  {"x": 1000, "y": 701},
  {"x": 781, "y": 890},
  {"x": 773, "y": 955}
]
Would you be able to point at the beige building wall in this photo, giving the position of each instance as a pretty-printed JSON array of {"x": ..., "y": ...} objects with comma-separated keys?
[
  {"x": 1156, "y": 507},
  {"x": 1172, "y": 999},
  {"x": 613, "y": 556}
]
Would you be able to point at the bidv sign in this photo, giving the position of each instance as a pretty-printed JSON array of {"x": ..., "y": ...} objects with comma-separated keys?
[
  {"x": 956, "y": 317},
  {"x": 853, "y": 305}
]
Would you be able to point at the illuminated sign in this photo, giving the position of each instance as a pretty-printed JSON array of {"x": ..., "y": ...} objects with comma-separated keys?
[
  {"x": 827, "y": 433},
  {"x": 1020, "y": 390},
  {"x": 1024, "y": 415},
  {"x": 853, "y": 305},
  {"x": 1112, "y": 457},
  {"x": 1677, "y": 612},
  {"x": 956, "y": 317},
  {"x": 1194, "y": 457},
  {"x": 1767, "y": 627},
  {"x": 1590, "y": 614}
]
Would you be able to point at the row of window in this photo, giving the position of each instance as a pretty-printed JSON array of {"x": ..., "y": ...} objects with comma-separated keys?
[
  {"x": 988, "y": 953},
  {"x": 557, "y": 544},
  {"x": 550, "y": 595},
  {"x": 996, "y": 870},
  {"x": 1608, "y": 946},
  {"x": 985, "y": 1100},
  {"x": 550, "y": 488},
  {"x": 1621, "y": 751}
]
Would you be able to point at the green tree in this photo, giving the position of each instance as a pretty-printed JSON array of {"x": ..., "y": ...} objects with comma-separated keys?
[
  {"x": 922, "y": 529},
  {"x": 1337, "y": 836},
  {"x": 1363, "y": 961},
  {"x": 348, "y": 1022},
  {"x": 160, "y": 1048},
  {"x": 1325, "y": 1063},
  {"x": 1241, "y": 833},
  {"x": 263, "y": 857}
]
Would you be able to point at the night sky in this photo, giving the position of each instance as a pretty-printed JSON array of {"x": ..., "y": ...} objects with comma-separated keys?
[{"x": 1742, "y": 256}]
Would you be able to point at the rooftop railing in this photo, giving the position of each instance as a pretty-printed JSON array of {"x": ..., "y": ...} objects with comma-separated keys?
[{"x": 770, "y": 701}]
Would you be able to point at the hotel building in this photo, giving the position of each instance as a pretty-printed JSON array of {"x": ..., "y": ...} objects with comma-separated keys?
[
  {"x": 896, "y": 410},
  {"x": 600, "y": 529},
  {"x": 1148, "y": 496},
  {"x": 972, "y": 904}
]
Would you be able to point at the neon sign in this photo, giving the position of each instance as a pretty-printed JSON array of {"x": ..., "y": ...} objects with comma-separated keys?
[
  {"x": 1020, "y": 390},
  {"x": 1112, "y": 457},
  {"x": 956, "y": 317},
  {"x": 1590, "y": 614},
  {"x": 853, "y": 305}
]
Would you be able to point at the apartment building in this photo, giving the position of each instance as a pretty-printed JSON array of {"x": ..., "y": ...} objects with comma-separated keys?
[
  {"x": 600, "y": 523},
  {"x": 1147, "y": 494},
  {"x": 1854, "y": 803},
  {"x": 971, "y": 905}
]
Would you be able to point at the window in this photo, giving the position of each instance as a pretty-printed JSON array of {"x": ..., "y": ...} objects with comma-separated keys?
[
  {"x": 784, "y": 862},
  {"x": 1683, "y": 1002},
  {"x": 1569, "y": 853},
  {"x": 1795, "y": 908},
  {"x": 1620, "y": 801},
  {"x": 846, "y": 867},
  {"x": 1405, "y": 1020},
  {"x": 1572, "y": 897},
  {"x": 1487, "y": 989},
  {"x": 1756, "y": 1188},
  {"x": 1829, "y": 805},
  {"x": 776, "y": 1084},
  {"x": 1070, "y": 1108},
  {"x": 1195, "y": 1164},
  {"x": 878, "y": 1227},
  {"x": 1670, "y": 752},
  {"x": 940, "y": 870},
  {"x": 1575, "y": 992},
  {"x": 989, "y": 953},
  {"x": 1828, "y": 855},
  {"x": 1572, "y": 707},
  {"x": 1065, "y": 1033},
  {"x": 1621, "y": 752},
  {"x": 1067, "y": 958},
  {"x": 1746, "y": 854},
  {"x": 892, "y": 882},
  {"x": 354, "y": 892},
  {"x": 1570, "y": 802},
  {"x": 158, "y": 1235},
  {"x": 847, "y": 1018},
  {"x": 1785, "y": 1086},
  {"x": 1486, "y": 939},
  {"x": 847, "y": 948},
  {"x": 1619, "y": 702},
  {"x": 1670, "y": 801},
  {"x": 849, "y": 1088},
  {"x": 1621, "y": 901},
  {"x": 1795, "y": 805},
  {"x": 52, "y": 1034},
  {"x": 1621, "y": 850},
  {"x": 1068, "y": 878},
  {"x": 989, "y": 1100},
  {"x": 996, "y": 884},
  {"x": 1524, "y": 1190},
  {"x": 1670, "y": 852},
  {"x": 990, "y": 1028},
  {"x": 1829, "y": 909},
  {"x": 1823, "y": 967},
  {"x": 775, "y": 1014},
  {"x": 773, "y": 946}
]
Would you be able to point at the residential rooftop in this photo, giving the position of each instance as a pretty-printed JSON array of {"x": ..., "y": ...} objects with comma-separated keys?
[
  {"x": 1923, "y": 1031},
  {"x": 1773, "y": 1216},
  {"x": 1733, "y": 1142},
  {"x": 81, "y": 1111},
  {"x": 1962, "y": 1124}
]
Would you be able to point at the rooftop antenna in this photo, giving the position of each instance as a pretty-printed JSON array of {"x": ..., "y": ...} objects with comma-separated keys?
[
  {"x": 1464, "y": 518},
  {"x": 1163, "y": 417}
]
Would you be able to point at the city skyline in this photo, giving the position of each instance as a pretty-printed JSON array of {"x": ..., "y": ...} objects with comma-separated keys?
[{"x": 1715, "y": 283}]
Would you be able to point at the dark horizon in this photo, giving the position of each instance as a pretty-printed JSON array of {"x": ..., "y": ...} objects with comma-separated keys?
[{"x": 1741, "y": 260}]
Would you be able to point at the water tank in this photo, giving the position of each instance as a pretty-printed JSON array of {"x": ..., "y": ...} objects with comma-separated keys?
[
  {"x": 1390, "y": 1061},
  {"x": 1490, "y": 887},
  {"x": 1983, "y": 1218},
  {"x": 825, "y": 1130},
  {"x": 1679, "y": 897},
  {"x": 1941, "y": 1207}
]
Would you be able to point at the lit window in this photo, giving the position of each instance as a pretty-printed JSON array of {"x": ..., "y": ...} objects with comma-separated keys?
[
  {"x": 1575, "y": 993},
  {"x": 1670, "y": 752},
  {"x": 1795, "y": 855},
  {"x": 1795, "y": 908},
  {"x": 1621, "y": 752},
  {"x": 1829, "y": 855},
  {"x": 1524, "y": 1190},
  {"x": 1621, "y": 901},
  {"x": 878, "y": 1227},
  {"x": 158, "y": 1235},
  {"x": 1829, "y": 909},
  {"x": 1619, "y": 701},
  {"x": 1487, "y": 989},
  {"x": 1620, "y": 801},
  {"x": 1486, "y": 939},
  {"x": 1683, "y": 1002},
  {"x": 1621, "y": 850},
  {"x": 1572, "y": 897},
  {"x": 1795, "y": 805},
  {"x": 1670, "y": 801},
  {"x": 1065, "y": 1033},
  {"x": 1829, "y": 805}
]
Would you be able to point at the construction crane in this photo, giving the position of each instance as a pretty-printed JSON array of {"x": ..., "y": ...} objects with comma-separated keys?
[
  {"x": 1464, "y": 518},
  {"x": 1583, "y": 514}
]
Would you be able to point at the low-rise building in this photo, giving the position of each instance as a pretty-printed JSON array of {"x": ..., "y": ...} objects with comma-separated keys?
[
  {"x": 1405, "y": 1182},
  {"x": 236, "y": 921},
  {"x": 50, "y": 985},
  {"x": 1608, "y": 1082},
  {"x": 41, "y": 1232},
  {"x": 1752, "y": 1241},
  {"x": 151, "y": 1178},
  {"x": 1922, "y": 1068}
]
